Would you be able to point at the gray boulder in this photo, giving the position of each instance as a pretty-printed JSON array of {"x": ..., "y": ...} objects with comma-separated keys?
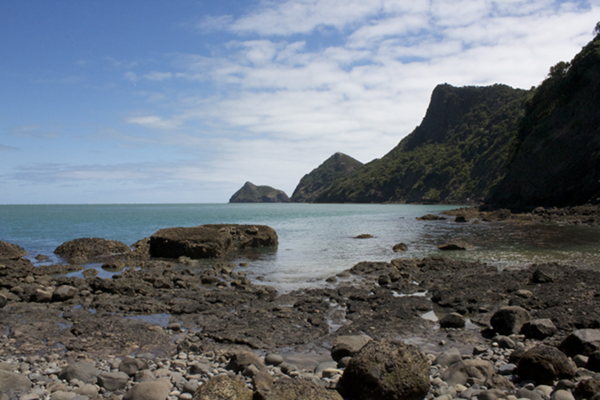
[
  {"x": 348, "y": 345},
  {"x": 89, "y": 249},
  {"x": 131, "y": 366},
  {"x": 64, "y": 292},
  {"x": 153, "y": 390},
  {"x": 242, "y": 360},
  {"x": 383, "y": 370},
  {"x": 82, "y": 370},
  {"x": 113, "y": 380},
  {"x": 509, "y": 320},
  {"x": 13, "y": 384},
  {"x": 581, "y": 341},
  {"x": 539, "y": 329},
  {"x": 210, "y": 241},
  {"x": 545, "y": 364}
]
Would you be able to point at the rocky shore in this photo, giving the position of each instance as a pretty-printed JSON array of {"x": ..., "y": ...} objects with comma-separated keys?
[{"x": 167, "y": 324}]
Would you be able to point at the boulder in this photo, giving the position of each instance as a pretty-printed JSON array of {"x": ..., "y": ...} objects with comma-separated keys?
[
  {"x": 241, "y": 360},
  {"x": 152, "y": 390},
  {"x": 539, "y": 276},
  {"x": 273, "y": 359},
  {"x": 113, "y": 380},
  {"x": 3, "y": 300},
  {"x": 562, "y": 394},
  {"x": 298, "y": 389},
  {"x": 509, "y": 320},
  {"x": 131, "y": 366},
  {"x": 545, "y": 364},
  {"x": 64, "y": 292},
  {"x": 81, "y": 370},
  {"x": 587, "y": 389},
  {"x": 348, "y": 346},
  {"x": 223, "y": 387},
  {"x": 210, "y": 241},
  {"x": 593, "y": 362},
  {"x": 13, "y": 384},
  {"x": 452, "y": 320},
  {"x": 384, "y": 370},
  {"x": 10, "y": 251},
  {"x": 88, "y": 249},
  {"x": 581, "y": 341},
  {"x": 539, "y": 329},
  {"x": 477, "y": 371},
  {"x": 448, "y": 357}
]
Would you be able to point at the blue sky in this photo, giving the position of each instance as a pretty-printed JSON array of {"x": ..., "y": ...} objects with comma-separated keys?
[{"x": 109, "y": 101}]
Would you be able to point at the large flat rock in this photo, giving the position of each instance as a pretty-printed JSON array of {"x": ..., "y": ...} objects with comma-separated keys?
[{"x": 210, "y": 241}]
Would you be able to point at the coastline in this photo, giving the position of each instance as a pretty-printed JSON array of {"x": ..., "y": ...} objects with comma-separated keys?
[{"x": 186, "y": 323}]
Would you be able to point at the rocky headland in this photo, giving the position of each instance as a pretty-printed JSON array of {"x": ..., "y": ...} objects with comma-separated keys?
[{"x": 176, "y": 325}]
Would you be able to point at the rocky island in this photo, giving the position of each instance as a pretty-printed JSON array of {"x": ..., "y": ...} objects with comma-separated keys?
[{"x": 250, "y": 193}]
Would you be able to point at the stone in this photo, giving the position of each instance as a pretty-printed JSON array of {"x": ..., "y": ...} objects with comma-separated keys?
[
  {"x": 507, "y": 369},
  {"x": 240, "y": 360},
  {"x": 580, "y": 360},
  {"x": 452, "y": 320},
  {"x": 299, "y": 389},
  {"x": 13, "y": 384},
  {"x": 509, "y": 320},
  {"x": 210, "y": 241},
  {"x": 431, "y": 217},
  {"x": 364, "y": 236},
  {"x": 223, "y": 387},
  {"x": 348, "y": 345},
  {"x": 538, "y": 329},
  {"x": 399, "y": 247},
  {"x": 539, "y": 276},
  {"x": 562, "y": 394},
  {"x": 153, "y": 390},
  {"x": 454, "y": 246},
  {"x": 43, "y": 295},
  {"x": 3, "y": 300},
  {"x": 385, "y": 370},
  {"x": 87, "y": 389},
  {"x": 64, "y": 292},
  {"x": 473, "y": 370},
  {"x": 262, "y": 383},
  {"x": 63, "y": 395},
  {"x": 581, "y": 341},
  {"x": 544, "y": 364},
  {"x": 131, "y": 366},
  {"x": 505, "y": 342},
  {"x": 448, "y": 357},
  {"x": 10, "y": 251},
  {"x": 593, "y": 363},
  {"x": 81, "y": 370},
  {"x": 460, "y": 219},
  {"x": 88, "y": 249},
  {"x": 587, "y": 388},
  {"x": 529, "y": 394},
  {"x": 145, "y": 375},
  {"x": 113, "y": 380},
  {"x": 273, "y": 359}
]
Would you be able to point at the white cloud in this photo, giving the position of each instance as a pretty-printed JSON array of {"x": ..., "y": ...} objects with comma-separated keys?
[{"x": 154, "y": 122}]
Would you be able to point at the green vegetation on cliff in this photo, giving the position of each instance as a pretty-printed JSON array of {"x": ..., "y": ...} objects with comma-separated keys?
[
  {"x": 312, "y": 184},
  {"x": 457, "y": 154},
  {"x": 557, "y": 157},
  {"x": 250, "y": 193}
]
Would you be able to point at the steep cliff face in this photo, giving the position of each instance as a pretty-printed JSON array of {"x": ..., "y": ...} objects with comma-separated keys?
[
  {"x": 458, "y": 152},
  {"x": 314, "y": 183},
  {"x": 557, "y": 158},
  {"x": 250, "y": 193}
]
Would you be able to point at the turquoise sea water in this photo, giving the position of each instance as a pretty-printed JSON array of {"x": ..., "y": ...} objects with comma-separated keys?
[{"x": 315, "y": 240}]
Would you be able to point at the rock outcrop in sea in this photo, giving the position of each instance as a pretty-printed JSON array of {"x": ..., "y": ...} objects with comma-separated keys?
[{"x": 250, "y": 193}]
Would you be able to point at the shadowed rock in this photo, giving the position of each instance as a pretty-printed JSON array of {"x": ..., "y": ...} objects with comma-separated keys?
[
  {"x": 544, "y": 364},
  {"x": 11, "y": 251},
  {"x": 210, "y": 241}
]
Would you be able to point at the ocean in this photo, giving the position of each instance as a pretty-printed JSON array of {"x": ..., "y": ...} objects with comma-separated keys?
[{"x": 315, "y": 240}]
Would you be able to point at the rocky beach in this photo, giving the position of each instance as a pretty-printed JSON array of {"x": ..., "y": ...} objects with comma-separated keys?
[{"x": 163, "y": 323}]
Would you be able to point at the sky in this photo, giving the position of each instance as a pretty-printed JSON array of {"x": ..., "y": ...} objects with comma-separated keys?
[{"x": 162, "y": 101}]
